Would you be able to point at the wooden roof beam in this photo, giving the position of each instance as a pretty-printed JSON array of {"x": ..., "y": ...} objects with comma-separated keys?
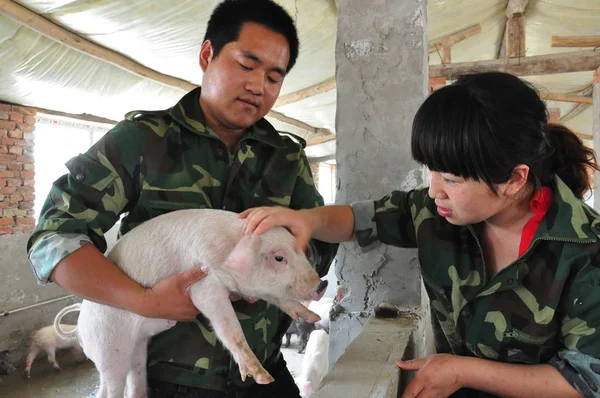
[
  {"x": 575, "y": 41},
  {"x": 308, "y": 92},
  {"x": 576, "y": 61},
  {"x": 580, "y": 107}
]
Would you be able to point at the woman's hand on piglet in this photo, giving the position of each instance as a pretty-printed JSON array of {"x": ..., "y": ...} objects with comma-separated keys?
[
  {"x": 169, "y": 298},
  {"x": 261, "y": 219}
]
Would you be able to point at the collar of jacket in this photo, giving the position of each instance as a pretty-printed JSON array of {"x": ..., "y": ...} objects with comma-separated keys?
[
  {"x": 568, "y": 219},
  {"x": 188, "y": 113}
]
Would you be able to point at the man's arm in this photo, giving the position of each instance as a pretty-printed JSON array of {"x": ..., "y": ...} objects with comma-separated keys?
[{"x": 81, "y": 207}]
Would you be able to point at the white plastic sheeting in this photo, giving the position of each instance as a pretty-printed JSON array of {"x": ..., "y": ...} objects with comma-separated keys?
[{"x": 166, "y": 37}]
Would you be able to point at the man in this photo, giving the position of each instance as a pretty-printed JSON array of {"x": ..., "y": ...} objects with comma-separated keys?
[{"x": 213, "y": 149}]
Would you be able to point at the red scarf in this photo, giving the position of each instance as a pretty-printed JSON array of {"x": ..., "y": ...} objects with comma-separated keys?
[{"x": 539, "y": 204}]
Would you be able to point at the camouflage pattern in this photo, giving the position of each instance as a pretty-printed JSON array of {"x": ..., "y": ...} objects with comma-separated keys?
[
  {"x": 543, "y": 308},
  {"x": 156, "y": 162}
]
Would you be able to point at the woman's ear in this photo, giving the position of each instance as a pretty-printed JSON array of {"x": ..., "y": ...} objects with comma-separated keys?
[
  {"x": 517, "y": 181},
  {"x": 206, "y": 55}
]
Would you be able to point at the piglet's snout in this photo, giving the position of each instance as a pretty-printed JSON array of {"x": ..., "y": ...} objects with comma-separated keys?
[{"x": 320, "y": 290}]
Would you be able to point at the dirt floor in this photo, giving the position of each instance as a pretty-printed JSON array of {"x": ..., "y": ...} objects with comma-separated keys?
[{"x": 77, "y": 380}]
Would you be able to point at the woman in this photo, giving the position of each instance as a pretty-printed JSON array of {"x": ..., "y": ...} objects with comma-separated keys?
[{"x": 509, "y": 253}]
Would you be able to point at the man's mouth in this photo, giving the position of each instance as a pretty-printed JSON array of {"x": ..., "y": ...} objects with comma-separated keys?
[{"x": 250, "y": 102}]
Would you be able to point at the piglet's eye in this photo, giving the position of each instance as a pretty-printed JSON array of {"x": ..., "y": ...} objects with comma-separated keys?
[{"x": 279, "y": 258}]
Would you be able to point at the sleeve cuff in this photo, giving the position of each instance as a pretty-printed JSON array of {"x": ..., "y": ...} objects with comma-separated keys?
[
  {"x": 50, "y": 249},
  {"x": 365, "y": 227},
  {"x": 580, "y": 370}
]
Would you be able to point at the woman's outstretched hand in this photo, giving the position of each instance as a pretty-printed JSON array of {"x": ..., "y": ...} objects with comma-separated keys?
[{"x": 260, "y": 219}]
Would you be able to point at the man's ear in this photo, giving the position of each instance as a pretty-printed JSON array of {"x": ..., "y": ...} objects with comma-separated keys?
[
  {"x": 517, "y": 180},
  {"x": 206, "y": 54},
  {"x": 243, "y": 256}
]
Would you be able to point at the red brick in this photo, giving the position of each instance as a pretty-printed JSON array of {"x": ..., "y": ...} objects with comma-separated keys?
[
  {"x": 30, "y": 120},
  {"x": 21, "y": 213},
  {"x": 7, "y": 221},
  {"x": 7, "y": 158},
  {"x": 7, "y": 125},
  {"x": 6, "y": 230},
  {"x": 16, "y": 197},
  {"x": 25, "y": 205},
  {"x": 15, "y": 133},
  {"x": 13, "y": 182},
  {"x": 3, "y": 133},
  {"x": 24, "y": 190},
  {"x": 15, "y": 166},
  {"x": 30, "y": 212},
  {"x": 6, "y": 190},
  {"x": 28, "y": 166},
  {"x": 3, "y": 115},
  {"x": 3, "y": 166},
  {"x": 5, "y": 107},
  {"x": 28, "y": 182},
  {"x": 23, "y": 110},
  {"x": 15, "y": 117},
  {"x": 8, "y": 141},
  {"x": 28, "y": 196},
  {"x": 25, "y": 127},
  {"x": 25, "y": 159},
  {"x": 7, "y": 174},
  {"x": 24, "y": 228},
  {"x": 17, "y": 150},
  {"x": 24, "y": 143},
  {"x": 27, "y": 220},
  {"x": 3, "y": 149},
  {"x": 9, "y": 212},
  {"x": 27, "y": 174},
  {"x": 2, "y": 183}
]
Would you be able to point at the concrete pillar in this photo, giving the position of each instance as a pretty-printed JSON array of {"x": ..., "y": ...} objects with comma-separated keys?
[
  {"x": 381, "y": 60},
  {"x": 596, "y": 135}
]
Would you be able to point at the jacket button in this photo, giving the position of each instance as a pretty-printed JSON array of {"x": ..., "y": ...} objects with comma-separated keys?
[
  {"x": 79, "y": 177},
  {"x": 219, "y": 152}
]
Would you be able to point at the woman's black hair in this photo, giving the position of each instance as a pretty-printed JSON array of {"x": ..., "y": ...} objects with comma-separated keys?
[{"x": 483, "y": 125}]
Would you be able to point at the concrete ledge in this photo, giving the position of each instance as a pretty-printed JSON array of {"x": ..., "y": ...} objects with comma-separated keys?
[{"x": 367, "y": 368}]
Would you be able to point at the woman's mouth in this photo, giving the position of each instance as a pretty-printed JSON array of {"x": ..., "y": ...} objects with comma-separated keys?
[{"x": 442, "y": 211}]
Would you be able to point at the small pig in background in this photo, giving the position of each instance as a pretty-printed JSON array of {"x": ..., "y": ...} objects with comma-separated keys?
[
  {"x": 265, "y": 267},
  {"x": 302, "y": 329},
  {"x": 315, "y": 363},
  {"x": 322, "y": 308},
  {"x": 6, "y": 368},
  {"x": 48, "y": 340}
]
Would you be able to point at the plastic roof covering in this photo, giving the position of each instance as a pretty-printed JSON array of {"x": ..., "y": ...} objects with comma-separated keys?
[{"x": 166, "y": 36}]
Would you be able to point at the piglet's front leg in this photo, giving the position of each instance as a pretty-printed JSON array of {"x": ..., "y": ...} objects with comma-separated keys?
[
  {"x": 213, "y": 302},
  {"x": 296, "y": 310}
]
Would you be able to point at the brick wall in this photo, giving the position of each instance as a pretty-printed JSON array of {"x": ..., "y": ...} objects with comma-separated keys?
[{"x": 16, "y": 169}]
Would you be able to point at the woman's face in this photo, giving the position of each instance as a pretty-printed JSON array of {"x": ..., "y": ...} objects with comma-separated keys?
[{"x": 465, "y": 201}]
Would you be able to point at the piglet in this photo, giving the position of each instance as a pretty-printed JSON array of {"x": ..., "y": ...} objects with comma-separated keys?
[
  {"x": 48, "y": 339},
  {"x": 315, "y": 363},
  {"x": 265, "y": 267}
]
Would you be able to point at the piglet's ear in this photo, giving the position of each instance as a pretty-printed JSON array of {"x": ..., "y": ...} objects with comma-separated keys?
[{"x": 243, "y": 256}]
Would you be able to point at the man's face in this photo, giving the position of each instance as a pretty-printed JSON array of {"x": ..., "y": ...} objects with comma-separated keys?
[{"x": 242, "y": 83}]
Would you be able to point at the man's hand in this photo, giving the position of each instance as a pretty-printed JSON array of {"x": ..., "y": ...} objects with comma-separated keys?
[
  {"x": 169, "y": 298},
  {"x": 437, "y": 376}
]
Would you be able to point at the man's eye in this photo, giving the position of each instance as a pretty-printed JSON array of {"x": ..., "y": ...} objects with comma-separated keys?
[{"x": 244, "y": 67}]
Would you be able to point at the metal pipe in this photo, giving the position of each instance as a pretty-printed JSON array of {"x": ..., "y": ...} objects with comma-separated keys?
[{"x": 27, "y": 307}]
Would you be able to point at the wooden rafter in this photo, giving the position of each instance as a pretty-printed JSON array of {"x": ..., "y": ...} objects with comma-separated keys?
[
  {"x": 453, "y": 38},
  {"x": 57, "y": 33},
  {"x": 580, "y": 107},
  {"x": 311, "y": 91},
  {"x": 515, "y": 28},
  {"x": 567, "y": 98},
  {"x": 576, "y": 61},
  {"x": 575, "y": 41}
]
